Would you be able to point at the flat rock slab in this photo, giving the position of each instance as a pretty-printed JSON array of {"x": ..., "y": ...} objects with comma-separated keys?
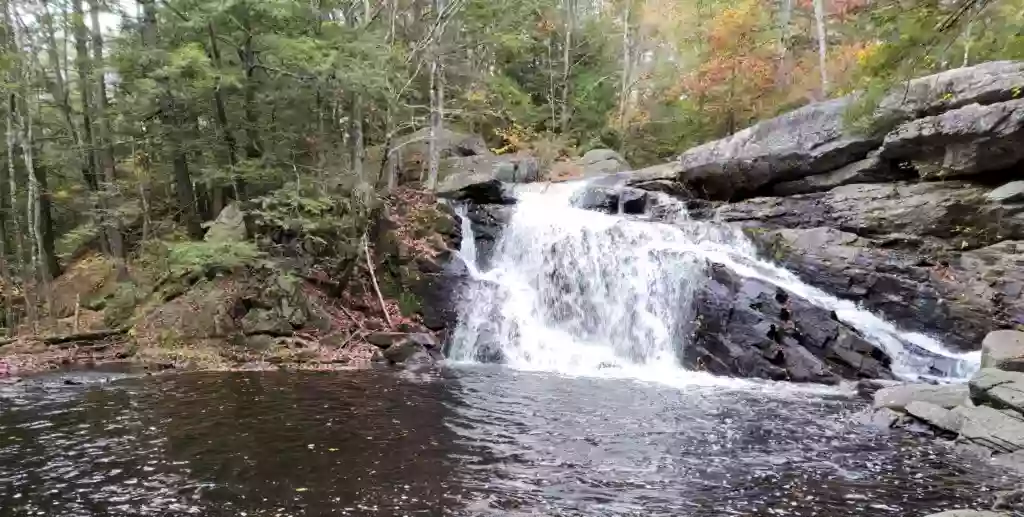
[
  {"x": 989, "y": 427},
  {"x": 1012, "y": 192},
  {"x": 883, "y": 418},
  {"x": 969, "y": 513},
  {"x": 1013, "y": 461},
  {"x": 935, "y": 416},
  {"x": 1003, "y": 349},
  {"x": 999, "y": 388},
  {"x": 944, "y": 396}
]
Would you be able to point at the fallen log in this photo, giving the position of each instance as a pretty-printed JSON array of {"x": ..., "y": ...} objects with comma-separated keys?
[{"x": 68, "y": 338}]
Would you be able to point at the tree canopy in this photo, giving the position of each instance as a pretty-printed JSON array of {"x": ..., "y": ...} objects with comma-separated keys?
[{"x": 131, "y": 122}]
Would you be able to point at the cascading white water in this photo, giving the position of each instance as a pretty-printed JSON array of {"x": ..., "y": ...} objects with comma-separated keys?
[{"x": 582, "y": 292}]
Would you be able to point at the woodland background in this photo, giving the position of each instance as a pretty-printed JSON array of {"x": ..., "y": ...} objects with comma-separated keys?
[{"x": 129, "y": 125}]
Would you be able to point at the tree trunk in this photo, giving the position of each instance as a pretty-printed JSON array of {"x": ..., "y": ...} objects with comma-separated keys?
[
  {"x": 626, "y": 69},
  {"x": 171, "y": 121},
  {"x": 12, "y": 140},
  {"x": 42, "y": 216},
  {"x": 785, "y": 19},
  {"x": 570, "y": 22},
  {"x": 231, "y": 146},
  {"x": 819, "y": 17},
  {"x": 436, "y": 101},
  {"x": 105, "y": 151},
  {"x": 184, "y": 192},
  {"x": 248, "y": 57},
  {"x": 434, "y": 130},
  {"x": 85, "y": 89},
  {"x": 9, "y": 214},
  {"x": 60, "y": 92},
  {"x": 356, "y": 136}
]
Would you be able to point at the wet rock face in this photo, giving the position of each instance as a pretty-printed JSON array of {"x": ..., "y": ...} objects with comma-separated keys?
[
  {"x": 961, "y": 296},
  {"x": 750, "y": 328},
  {"x": 933, "y": 257},
  {"x": 613, "y": 200}
]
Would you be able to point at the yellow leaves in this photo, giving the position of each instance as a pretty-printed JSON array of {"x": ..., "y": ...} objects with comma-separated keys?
[
  {"x": 476, "y": 95},
  {"x": 516, "y": 138},
  {"x": 865, "y": 53},
  {"x": 733, "y": 29}
]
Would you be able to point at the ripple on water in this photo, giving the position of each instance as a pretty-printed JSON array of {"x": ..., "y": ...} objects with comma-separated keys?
[{"x": 477, "y": 441}]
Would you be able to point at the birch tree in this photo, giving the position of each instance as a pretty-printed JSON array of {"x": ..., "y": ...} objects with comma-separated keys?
[{"x": 819, "y": 19}]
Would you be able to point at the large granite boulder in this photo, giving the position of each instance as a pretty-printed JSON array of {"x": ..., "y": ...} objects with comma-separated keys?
[
  {"x": 749, "y": 328},
  {"x": 898, "y": 398},
  {"x": 486, "y": 178},
  {"x": 596, "y": 162},
  {"x": 869, "y": 170},
  {"x": 956, "y": 211},
  {"x": 613, "y": 200},
  {"x": 963, "y": 296},
  {"x": 985, "y": 83},
  {"x": 969, "y": 140},
  {"x": 936, "y": 416},
  {"x": 1003, "y": 349},
  {"x": 807, "y": 141},
  {"x": 947, "y": 118},
  {"x": 1012, "y": 192},
  {"x": 229, "y": 226},
  {"x": 409, "y": 154}
]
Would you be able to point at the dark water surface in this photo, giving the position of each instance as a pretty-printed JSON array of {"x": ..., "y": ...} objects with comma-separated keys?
[{"x": 474, "y": 441}]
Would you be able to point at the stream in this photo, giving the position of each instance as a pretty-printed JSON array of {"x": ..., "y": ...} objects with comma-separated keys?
[{"x": 472, "y": 440}]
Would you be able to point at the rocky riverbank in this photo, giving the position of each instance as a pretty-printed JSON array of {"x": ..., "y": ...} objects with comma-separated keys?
[
  {"x": 984, "y": 417},
  {"x": 260, "y": 293}
]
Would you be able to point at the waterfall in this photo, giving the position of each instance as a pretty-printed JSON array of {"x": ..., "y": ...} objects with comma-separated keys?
[{"x": 582, "y": 292}]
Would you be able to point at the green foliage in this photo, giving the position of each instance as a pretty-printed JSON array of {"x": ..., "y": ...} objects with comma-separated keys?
[
  {"x": 201, "y": 256},
  {"x": 408, "y": 303},
  {"x": 120, "y": 305}
]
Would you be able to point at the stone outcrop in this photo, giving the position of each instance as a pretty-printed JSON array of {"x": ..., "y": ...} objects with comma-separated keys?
[
  {"x": 988, "y": 412},
  {"x": 597, "y": 162},
  {"x": 613, "y": 200},
  {"x": 869, "y": 170},
  {"x": 931, "y": 256},
  {"x": 985, "y": 83},
  {"x": 962, "y": 121},
  {"x": 847, "y": 209},
  {"x": 409, "y": 154},
  {"x": 1003, "y": 349},
  {"x": 969, "y": 140},
  {"x": 804, "y": 142}
]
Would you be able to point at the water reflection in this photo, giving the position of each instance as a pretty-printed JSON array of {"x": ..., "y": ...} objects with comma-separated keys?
[
  {"x": 486, "y": 441},
  {"x": 221, "y": 444}
]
